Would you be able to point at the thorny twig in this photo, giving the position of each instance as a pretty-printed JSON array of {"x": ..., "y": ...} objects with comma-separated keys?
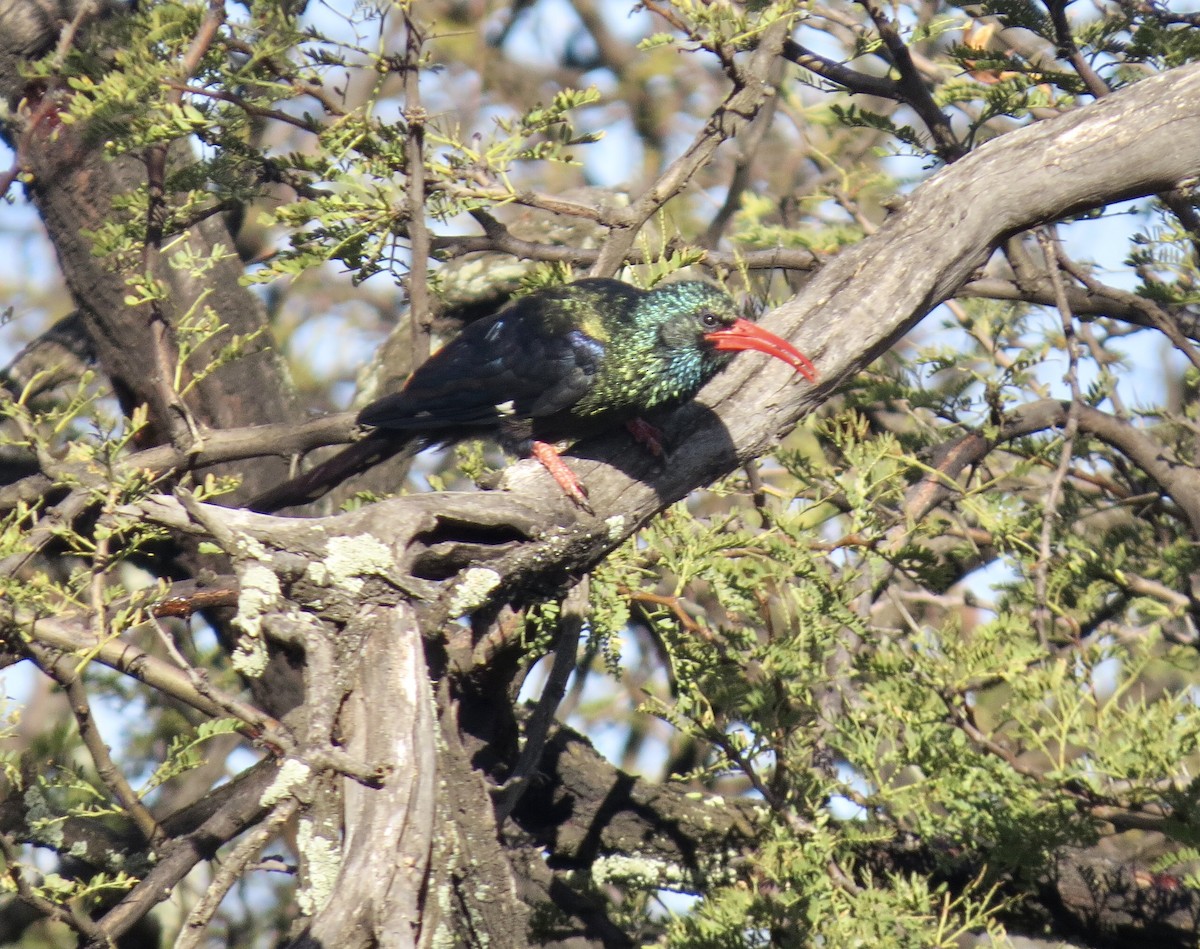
[
  {"x": 59, "y": 669},
  {"x": 172, "y": 412},
  {"x": 233, "y": 865},
  {"x": 1050, "y": 250},
  {"x": 912, "y": 86},
  {"x": 420, "y": 317},
  {"x": 740, "y": 105},
  {"x": 571, "y": 620},
  {"x": 1154, "y": 314},
  {"x": 69, "y": 915}
]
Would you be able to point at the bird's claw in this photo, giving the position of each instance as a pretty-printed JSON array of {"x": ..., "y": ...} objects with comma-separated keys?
[{"x": 552, "y": 461}]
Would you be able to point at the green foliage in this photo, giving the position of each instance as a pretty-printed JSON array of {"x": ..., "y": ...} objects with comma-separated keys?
[
  {"x": 1021, "y": 14},
  {"x": 852, "y": 116},
  {"x": 186, "y": 751},
  {"x": 90, "y": 892},
  {"x": 947, "y": 717},
  {"x": 1158, "y": 254},
  {"x": 716, "y": 26},
  {"x": 1162, "y": 44},
  {"x": 755, "y": 227}
]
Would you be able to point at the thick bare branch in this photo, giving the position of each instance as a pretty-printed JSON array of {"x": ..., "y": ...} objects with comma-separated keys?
[{"x": 855, "y": 308}]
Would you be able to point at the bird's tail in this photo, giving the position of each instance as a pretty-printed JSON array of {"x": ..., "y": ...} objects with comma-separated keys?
[{"x": 376, "y": 448}]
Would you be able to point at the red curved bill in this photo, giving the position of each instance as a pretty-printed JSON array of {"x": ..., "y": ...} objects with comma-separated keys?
[{"x": 744, "y": 335}]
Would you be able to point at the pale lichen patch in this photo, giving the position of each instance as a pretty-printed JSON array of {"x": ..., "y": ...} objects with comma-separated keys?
[
  {"x": 472, "y": 590},
  {"x": 445, "y": 937},
  {"x": 249, "y": 657},
  {"x": 259, "y": 595},
  {"x": 349, "y": 559},
  {"x": 250, "y": 549},
  {"x": 641, "y": 872},
  {"x": 41, "y": 819},
  {"x": 616, "y": 526},
  {"x": 259, "y": 591},
  {"x": 292, "y": 773},
  {"x": 323, "y": 863}
]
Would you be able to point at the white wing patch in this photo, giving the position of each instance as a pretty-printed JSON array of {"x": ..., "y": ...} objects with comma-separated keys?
[{"x": 505, "y": 408}]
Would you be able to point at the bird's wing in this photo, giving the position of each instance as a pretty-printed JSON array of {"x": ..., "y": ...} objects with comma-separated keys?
[{"x": 519, "y": 362}]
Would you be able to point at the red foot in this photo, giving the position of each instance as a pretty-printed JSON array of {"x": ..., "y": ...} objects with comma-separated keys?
[
  {"x": 648, "y": 435},
  {"x": 552, "y": 461}
]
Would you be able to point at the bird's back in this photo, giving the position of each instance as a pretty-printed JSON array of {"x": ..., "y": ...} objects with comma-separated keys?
[{"x": 534, "y": 359}]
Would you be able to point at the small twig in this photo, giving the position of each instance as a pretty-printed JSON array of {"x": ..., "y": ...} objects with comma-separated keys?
[
  {"x": 988, "y": 342},
  {"x": 1084, "y": 303},
  {"x": 608, "y": 215},
  {"x": 722, "y": 52},
  {"x": 172, "y": 412},
  {"x": 841, "y": 878},
  {"x": 782, "y": 808},
  {"x": 1144, "y": 586},
  {"x": 912, "y": 86},
  {"x": 758, "y": 493},
  {"x": 340, "y": 762},
  {"x": 8, "y": 177},
  {"x": 184, "y": 599},
  {"x": 850, "y": 80},
  {"x": 497, "y": 237},
  {"x": 233, "y": 865},
  {"x": 264, "y": 726},
  {"x": 570, "y": 625},
  {"x": 1153, "y": 313},
  {"x": 274, "y": 865},
  {"x": 240, "y": 811},
  {"x": 962, "y": 716},
  {"x": 227, "y": 538},
  {"x": 1050, "y": 251},
  {"x": 66, "y": 39},
  {"x": 1069, "y": 51},
  {"x": 305, "y": 123},
  {"x": 59, "y": 634},
  {"x": 644, "y": 597},
  {"x": 420, "y": 317},
  {"x": 99, "y": 579},
  {"x": 68, "y": 916},
  {"x": 114, "y": 779},
  {"x": 748, "y": 142},
  {"x": 164, "y": 353},
  {"x": 49, "y": 527},
  {"x": 1177, "y": 200},
  {"x": 1103, "y": 358},
  {"x": 749, "y": 92},
  {"x": 254, "y": 441},
  {"x": 285, "y": 69},
  {"x": 21, "y": 418}
]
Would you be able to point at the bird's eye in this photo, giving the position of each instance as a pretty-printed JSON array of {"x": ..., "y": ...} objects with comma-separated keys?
[{"x": 709, "y": 320}]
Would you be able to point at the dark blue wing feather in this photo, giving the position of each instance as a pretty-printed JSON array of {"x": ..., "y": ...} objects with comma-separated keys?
[{"x": 524, "y": 361}]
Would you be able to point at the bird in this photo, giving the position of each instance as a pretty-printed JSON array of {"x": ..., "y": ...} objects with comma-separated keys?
[{"x": 557, "y": 364}]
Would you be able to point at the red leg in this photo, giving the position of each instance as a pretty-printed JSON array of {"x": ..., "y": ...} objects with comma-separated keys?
[
  {"x": 646, "y": 434},
  {"x": 552, "y": 461}
]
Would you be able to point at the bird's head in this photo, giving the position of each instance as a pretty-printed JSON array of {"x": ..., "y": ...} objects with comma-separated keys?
[{"x": 697, "y": 315}]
